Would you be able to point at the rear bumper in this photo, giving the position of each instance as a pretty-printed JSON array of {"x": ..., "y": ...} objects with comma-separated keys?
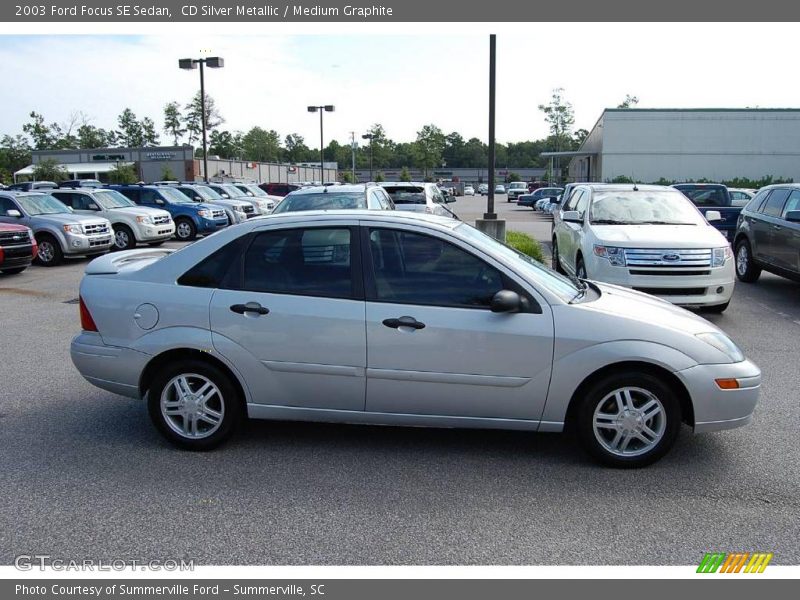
[
  {"x": 716, "y": 409},
  {"x": 110, "y": 368}
]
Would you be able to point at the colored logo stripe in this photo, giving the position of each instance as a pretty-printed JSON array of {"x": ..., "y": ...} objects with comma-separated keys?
[{"x": 734, "y": 562}]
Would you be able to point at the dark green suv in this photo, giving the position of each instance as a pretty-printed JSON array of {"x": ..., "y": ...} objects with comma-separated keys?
[{"x": 768, "y": 234}]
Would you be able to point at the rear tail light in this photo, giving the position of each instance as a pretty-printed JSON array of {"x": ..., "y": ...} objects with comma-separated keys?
[
  {"x": 2, "y": 254},
  {"x": 87, "y": 322}
]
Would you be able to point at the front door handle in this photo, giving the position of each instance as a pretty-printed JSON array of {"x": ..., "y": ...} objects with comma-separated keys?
[
  {"x": 253, "y": 307},
  {"x": 404, "y": 322}
]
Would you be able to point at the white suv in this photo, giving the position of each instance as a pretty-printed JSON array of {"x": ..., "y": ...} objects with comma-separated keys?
[
  {"x": 650, "y": 238},
  {"x": 131, "y": 223}
]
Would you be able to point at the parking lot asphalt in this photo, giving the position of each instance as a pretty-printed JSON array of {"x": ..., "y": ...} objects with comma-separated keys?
[{"x": 83, "y": 474}]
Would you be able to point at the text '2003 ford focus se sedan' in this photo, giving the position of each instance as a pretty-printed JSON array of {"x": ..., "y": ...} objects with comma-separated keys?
[{"x": 379, "y": 317}]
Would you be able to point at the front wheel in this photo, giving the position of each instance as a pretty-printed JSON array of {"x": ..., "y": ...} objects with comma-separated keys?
[
  {"x": 556, "y": 260},
  {"x": 628, "y": 420},
  {"x": 194, "y": 405},
  {"x": 580, "y": 268},
  {"x": 124, "y": 238},
  {"x": 185, "y": 230},
  {"x": 746, "y": 269},
  {"x": 50, "y": 254}
]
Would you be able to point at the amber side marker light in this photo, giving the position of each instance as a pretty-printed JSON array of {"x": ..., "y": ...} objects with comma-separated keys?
[{"x": 727, "y": 384}]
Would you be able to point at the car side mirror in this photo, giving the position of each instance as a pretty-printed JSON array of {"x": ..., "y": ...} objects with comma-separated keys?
[
  {"x": 449, "y": 198},
  {"x": 572, "y": 216},
  {"x": 793, "y": 216},
  {"x": 555, "y": 199},
  {"x": 14, "y": 213},
  {"x": 713, "y": 215},
  {"x": 93, "y": 206},
  {"x": 198, "y": 199},
  {"x": 160, "y": 202},
  {"x": 506, "y": 301}
]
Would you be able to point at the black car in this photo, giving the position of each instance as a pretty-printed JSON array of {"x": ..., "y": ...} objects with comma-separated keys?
[{"x": 768, "y": 234}]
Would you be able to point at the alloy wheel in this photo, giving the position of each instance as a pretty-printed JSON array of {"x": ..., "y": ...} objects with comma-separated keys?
[
  {"x": 121, "y": 239},
  {"x": 184, "y": 230},
  {"x": 742, "y": 259},
  {"x": 46, "y": 251},
  {"x": 192, "y": 406},
  {"x": 629, "y": 421}
]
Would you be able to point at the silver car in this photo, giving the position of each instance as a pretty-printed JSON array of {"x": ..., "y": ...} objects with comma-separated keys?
[{"x": 397, "y": 319}]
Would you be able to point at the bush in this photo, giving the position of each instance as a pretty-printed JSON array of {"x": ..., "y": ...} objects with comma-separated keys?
[
  {"x": 525, "y": 244},
  {"x": 123, "y": 174},
  {"x": 405, "y": 174},
  {"x": 49, "y": 170},
  {"x": 167, "y": 174},
  {"x": 379, "y": 177}
]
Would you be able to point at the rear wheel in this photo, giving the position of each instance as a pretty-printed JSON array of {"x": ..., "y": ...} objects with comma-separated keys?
[
  {"x": 556, "y": 259},
  {"x": 50, "y": 254},
  {"x": 14, "y": 271},
  {"x": 123, "y": 238},
  {"x": 580, "y": 268},
  {"x": 628, "y": 420},
  {"x": 185, "y": 230},
  {"x": 194, "y": 405},
  {"x": 746, "y": 269}
]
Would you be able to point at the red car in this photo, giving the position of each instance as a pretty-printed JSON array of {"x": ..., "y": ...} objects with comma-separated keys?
[{"x": 17, "y": 248}]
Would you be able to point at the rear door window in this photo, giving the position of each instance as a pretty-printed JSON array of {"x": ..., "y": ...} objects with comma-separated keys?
[
  {"x": 774, "y": 204},
  {"x": 793, "y": 203}
]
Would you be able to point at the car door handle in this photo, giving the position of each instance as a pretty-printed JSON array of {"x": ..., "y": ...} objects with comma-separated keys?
[
  {"x": 404, "y": 322},
  {"x": 776, "y": 227},
  {"x": 254, "y": 307}
]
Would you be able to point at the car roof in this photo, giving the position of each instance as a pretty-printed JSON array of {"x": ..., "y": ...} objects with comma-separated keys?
[
  {"x": 361, "y": 214},
  {"x": 627, "y": 187},
  {"x": 331, "y": 189}
]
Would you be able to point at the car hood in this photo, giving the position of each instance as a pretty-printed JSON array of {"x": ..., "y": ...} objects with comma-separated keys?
[
  {"x": 63, "y": 218},
  {"x": 207, "y": 206},
  {"x": 659, "y": 236},
  {"x": 140, "y": 211},
  {"x": 12, "y": 227}
]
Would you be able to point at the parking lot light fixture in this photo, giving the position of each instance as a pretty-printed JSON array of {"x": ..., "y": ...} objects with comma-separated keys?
[
  {"x": 369, "y": 136},
  {"x": 321, "y": 108},
  {"x": 213, "y": 62}
]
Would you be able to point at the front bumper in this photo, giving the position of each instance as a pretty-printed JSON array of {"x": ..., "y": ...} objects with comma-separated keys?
[
  {"x": 716, "y": 409},
  {"x": 87, "y": 244},
  {"x": 212, "y": 225},
  {"x": 151, "y": 233},
  {"x": 110, "y": 368},
  {"x": 710, "y": 289}
]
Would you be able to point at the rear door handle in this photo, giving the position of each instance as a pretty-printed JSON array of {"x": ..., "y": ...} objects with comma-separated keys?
[
  {"x": 776, "y": 227},
  {"x": 253, "y": 307},
  {"x": 404, "y": 322}
]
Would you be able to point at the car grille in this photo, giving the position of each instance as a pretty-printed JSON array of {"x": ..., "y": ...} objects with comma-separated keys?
[
  {"x": 664, "y": 261},
  {"x": 7, "y": 238},
  {"x": 161, "y": 220},
  {"x": 218, "y": 214},
  {"x": 95, "y": 229},
  {"x": 249, "y": 209},
  {"x": 672, "y": 291},
  {"x": 17, "y": 251}
]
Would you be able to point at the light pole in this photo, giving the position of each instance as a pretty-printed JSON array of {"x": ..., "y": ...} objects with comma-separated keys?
[
  {"x": 369, "y": 136},
  {"x": 353, "y": 153},
  {"x": 323, "y": 108},
  {"x": 213, "y": 62}
]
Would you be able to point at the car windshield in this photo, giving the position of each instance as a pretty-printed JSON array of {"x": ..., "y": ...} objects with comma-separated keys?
[
  {"x": 643, "y": 208},
  {"x": 232, "y": 190},
  {"x": 706, "y": 195},
  {"x": 253, "y": 189},
  {"x": 406, "y": 194},
  {"x": 206, "y": 193},
  {"x": 539, "y": 274},
  {"x": 517, "y": 185},
  {"x": 42, "y": 204},
  {"x": 322, "y": 201},
  {"x": 111, "y": 199},
  {"x": 174, "y": 196}
]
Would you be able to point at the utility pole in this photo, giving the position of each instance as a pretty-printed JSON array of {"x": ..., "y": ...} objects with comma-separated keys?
[{"x": 353, "y": 153}]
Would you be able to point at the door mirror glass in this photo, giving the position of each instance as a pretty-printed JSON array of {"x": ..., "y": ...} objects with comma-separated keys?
[
  {"x": 505, "y": 301},
  {"x": 14, "y": 213},
  {"x": 793, "y": 216},
  {"x": 93, "y": 206},
  {"x": 713, "y": 215},
  {"x": 572, "y": 216}
]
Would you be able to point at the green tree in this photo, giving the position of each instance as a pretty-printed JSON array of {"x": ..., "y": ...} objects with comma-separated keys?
[
  {"x": 296, "y": 149},
  {"x": 193, "y": 118},
  {"x": 49, "y": 170},
  {"x": 428, "y": 147},
  {"x": 130, "y": 133},
  {"x": 149, "y": 135},
  {"x": 347, "y": 177},
  {"x": 579, "y": 137},
  {"x": 226, "y": 144},
  {"x": 560, "y": 117},
  {"x": 90, "y": 136},
  {"x": 15, "y": 154},
  {"x": 629, "y": 102},
  {"x": 261, "y": 145},
  {"x": 379, "y": 177},
  {"x": 123, "y": 174},
  {"x": 405, "y": 174},
  {"x": 173, "y": 122},
  {"x": 44, "y": 137},
  {"x": 167, "y": 174}
]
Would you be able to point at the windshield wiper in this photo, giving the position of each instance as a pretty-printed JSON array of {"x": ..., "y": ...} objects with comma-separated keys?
[
  {"x": 611, "y": 222},
  {"x": 663, "y": 223}
]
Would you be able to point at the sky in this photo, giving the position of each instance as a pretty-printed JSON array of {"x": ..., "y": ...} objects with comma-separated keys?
[{"x": 404, "y": 81}]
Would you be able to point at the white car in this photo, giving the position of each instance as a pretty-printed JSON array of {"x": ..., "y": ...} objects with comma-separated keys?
[
  {"x": 516, "y": 189},
  {"x": 469, "y": 190},
  {"x": 132, "y": 223},
  {"x": 393, "y": 318},
  {"x": 650, "y": 238}
]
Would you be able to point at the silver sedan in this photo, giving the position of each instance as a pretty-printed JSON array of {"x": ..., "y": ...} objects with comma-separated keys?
[{"x": 399, "y": 319}]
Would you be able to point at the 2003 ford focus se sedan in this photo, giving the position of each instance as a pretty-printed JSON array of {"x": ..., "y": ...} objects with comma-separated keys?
[{"x": 397, "y": 319}]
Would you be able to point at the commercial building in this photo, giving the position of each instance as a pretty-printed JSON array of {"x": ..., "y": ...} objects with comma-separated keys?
[
  {"x": 172, "y": 162},
  {"x": 649, "y": 145},
  {"x": 468, "y": 176}
]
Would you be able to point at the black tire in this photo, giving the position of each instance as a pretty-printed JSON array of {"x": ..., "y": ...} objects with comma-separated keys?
[
  {"x": 50, "y": 254},
  {"x": 227, "y": 403},
  {"x": 556, "y": 263},
  {"x": 600, "y": 397},
  {"x": 14, "y": 271},
  {"x": 155, "y": 244},
  {"x": 123, "y": 238},
  {"x": 717, "y": 308},
  {"x": 580, "y": 268},
  {"x": 746, "y": 270},
  {"x": 185, "y": 231}
]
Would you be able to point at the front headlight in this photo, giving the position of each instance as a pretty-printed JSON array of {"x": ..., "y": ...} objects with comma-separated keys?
[
  {"x": 73, "y": 228},
  {"x": 239, "y": 209},
  {"x": 204, "y": 213},
  {"x": 147, "y": 220},
  {"x": 720, "y": 256},
  {"x": 723, "y": 343},
  {"x": 614, "y": 255}
]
